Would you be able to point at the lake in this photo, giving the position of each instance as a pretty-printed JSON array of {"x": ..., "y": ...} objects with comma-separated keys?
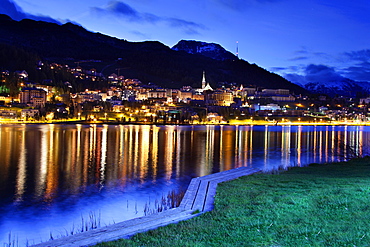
[{"x": 54, "y": 177}]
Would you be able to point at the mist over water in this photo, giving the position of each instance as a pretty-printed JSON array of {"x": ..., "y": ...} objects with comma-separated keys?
[{"x": 52, "y": 176}]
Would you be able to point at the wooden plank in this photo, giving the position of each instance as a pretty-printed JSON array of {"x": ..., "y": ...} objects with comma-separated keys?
[
  {"x": 232, "y": 176},
  {"x": 189, "y": 197},
  {"x": 224, "y": 173},
  {"x": 237, "y": 173},
  {"x": 200, "y": 196},
  {"x": 210, "y": 198}
]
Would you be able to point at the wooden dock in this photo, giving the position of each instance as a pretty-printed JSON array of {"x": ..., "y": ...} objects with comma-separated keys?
[{"x": 199, "y": 198}]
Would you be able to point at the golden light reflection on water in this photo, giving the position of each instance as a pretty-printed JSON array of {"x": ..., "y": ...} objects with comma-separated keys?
[
  {"x": 46, "y": 159},
  {"x": 103, "y": 157},
  {"x": 360, "y": 142},
  {"x": 299, "y": 145},
  {"x": 332, "y": 142},
  {"x": 169, "y": 152},
  {"x": 21, "y": 172},
  {"x": 345, "y": 140},
  {"x": 267, "y": 142},
  {"x": 42, "y": 172},
  {"x": 285, "y": 146},
  {"x": 154, "y": 152},
  {"x": 145, "y": 147},
  {"x": 326, "y": 144},
  {"x": 222, "y": 167}
]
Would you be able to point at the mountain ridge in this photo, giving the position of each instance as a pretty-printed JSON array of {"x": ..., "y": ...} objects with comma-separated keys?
[
  {"x": 148, "y": 61},
  {"x": 212, "y": 50}
]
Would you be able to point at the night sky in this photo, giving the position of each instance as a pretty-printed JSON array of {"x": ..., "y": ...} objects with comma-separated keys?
[{"x": 303, "y": 40}]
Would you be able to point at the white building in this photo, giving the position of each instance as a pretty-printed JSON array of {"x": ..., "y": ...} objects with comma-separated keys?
[{"x": 29, "y": 113}]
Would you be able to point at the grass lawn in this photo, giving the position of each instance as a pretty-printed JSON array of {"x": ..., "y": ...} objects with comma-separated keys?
[{"x": 319, "y": 205}]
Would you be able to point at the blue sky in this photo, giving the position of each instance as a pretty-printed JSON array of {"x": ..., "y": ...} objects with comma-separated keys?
[{"x": 303, "y": 40}]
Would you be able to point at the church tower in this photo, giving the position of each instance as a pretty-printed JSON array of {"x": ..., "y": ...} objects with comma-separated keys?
[{"x": 204, "y": 83}]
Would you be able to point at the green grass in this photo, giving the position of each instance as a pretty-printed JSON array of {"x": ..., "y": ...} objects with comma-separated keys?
[{"x": 319, "y": 205}]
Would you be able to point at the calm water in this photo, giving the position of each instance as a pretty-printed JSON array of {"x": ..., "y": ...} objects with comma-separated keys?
[{"x": 51, "y": 176}]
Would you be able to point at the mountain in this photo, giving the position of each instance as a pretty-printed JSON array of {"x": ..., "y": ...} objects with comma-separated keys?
[
  {"x": 149, "y": 61},
  {"x": 212, "y": 50},
  {"x": 343, "y": 87}
]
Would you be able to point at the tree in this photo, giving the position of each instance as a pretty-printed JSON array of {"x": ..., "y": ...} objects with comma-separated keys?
[{"x": 12, "y": 83}]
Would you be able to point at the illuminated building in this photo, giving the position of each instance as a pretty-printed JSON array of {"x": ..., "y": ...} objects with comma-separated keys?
[
  {"x": 9, "y": 114},
  {"x": 33, "y": 97},
  {"x": 185, "y": 95},
  {"x": 279, "y": 95},
  {"x": 5, "y": 98},
  {"x": 221, "y": 98},
  {"x": 29, "y": 113}
]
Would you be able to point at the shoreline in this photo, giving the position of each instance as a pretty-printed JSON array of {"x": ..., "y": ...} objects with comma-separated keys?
[
  {"x": 232, "y": 123},
  {"x": 198, "y": 199},
  {"x": 276, "y": 210}
]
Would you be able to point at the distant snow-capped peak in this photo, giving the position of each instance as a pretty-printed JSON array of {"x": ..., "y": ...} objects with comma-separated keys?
[{"x": 345, "y": 87}]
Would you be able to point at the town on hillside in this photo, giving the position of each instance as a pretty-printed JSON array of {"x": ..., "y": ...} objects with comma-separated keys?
[{"x": 126, "y": 100}]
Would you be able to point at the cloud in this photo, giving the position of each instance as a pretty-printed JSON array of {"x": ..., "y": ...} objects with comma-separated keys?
[
  {"x": 354, "y": 65},
  {"x": 360, "y": 69},
  {"x": 240, "y": 5},
  {"x": 302, "y": 52},
  {"x": 359, "y": 72},
  {"x": 306, "y": 54},
  {"x": 278, "y": 69},
  {"x": 361, "y": 55},
  {"x": 296, "y": 78},
  {"x": 300, "y": 55},
  {"x": 11, "y": 9},
  {"x": 125, "y": 11},
  {"x": 188, "y": 26},
  {"x": 324, "y": 73},
  {"x": 287, "y": 70},
  {"x": 140, "y": 34},
  {"x": 298, "y": 58},
  {"x": 314, "y": 73}
]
